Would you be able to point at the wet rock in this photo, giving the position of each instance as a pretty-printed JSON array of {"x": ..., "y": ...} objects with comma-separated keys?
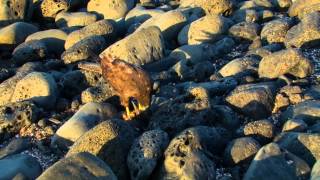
[
  {"x": 107, "y": 9},
  {"x": 105, "y": 28},
  {"x": 84, "y": 49},
  {"x": 306, "y": 33},
  {"x": 303, "y": 145},
  {"x": 14, "y": 34},
  {"x": 292, "y": 62},
  {"x": 262, "y": 130},
  {"x": 44, "y": 93},
  {"x": 82, "y": 121},
  {"x": 295, "y": 125},
  {"x": 20, "y": 165},
  {"x": 139, "y": 14},
  {"x": 241, "y": 151},
  {"x": 148, "y": 47},
  {"x": 188, "y": 154},
  {"x": 238, "y": 66},
  {"x": 110, "y": 141},
  {"x": 212, "y": 7},
  {"x": 169, "y": 23},
  {"x": 66, "y": 19},
  {"x": 207, "y": 29},
  {"x": 253, "y": 100},
  {"x": 246, "y": 15},
  {"x": 308, "y": 111},
  {"x": 315, "y": 173},
  {"x": 78, "y": 166},
  {"x": 12, "y": 11},
  {"x": 14, "y": 147},
  {"x": 145, "y": 153},
  {"x": 54, "y": 39},
  {"x": 34, "y": 50},
  {"x": 272, "y": 162},
  {"x": 276, "y": 30},
  {"x": 245, "y": 31}
]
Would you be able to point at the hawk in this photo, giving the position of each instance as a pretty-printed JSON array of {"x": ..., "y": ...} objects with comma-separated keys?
[{"x": 132, "y": 84}]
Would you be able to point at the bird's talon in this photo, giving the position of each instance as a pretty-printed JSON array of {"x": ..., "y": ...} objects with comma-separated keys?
[{"x": 141, "y": 107}]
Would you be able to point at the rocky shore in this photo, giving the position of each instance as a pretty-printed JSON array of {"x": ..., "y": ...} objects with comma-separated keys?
[{"x": 236, "y": 91}]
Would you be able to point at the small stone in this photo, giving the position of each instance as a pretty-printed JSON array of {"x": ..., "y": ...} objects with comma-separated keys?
[
  {"x": 292, "y": 62},
  {"x": 262, "y": 130},
  {"x": 245, "y": 31},
  {"x": 66, "y": 19},
  {"x": 44, "y": 93},
  {"x": 238, "y": 66},
  {"x": 186, "y": 155},
  {"x": 54, "y": 39},
  {"x": 148, "y": 47},
  {"x": 254, "y": 100},
  {"x": 14, "y": 34},
  {"x": 84, "y": 49},
  {"x": 82, "y": 121},
  {"x": 210, "y": 7},
  {"x": 276, "y": 30},
  {"x": 288, "y": 95},
  {"x": 139, "y": 14},
  {"x": 107, "y": 8},
  {"x": 207, "y": 29},
  {"x": 306, "y": 33},
  {"x": 241, "y": 151},
  {"x": 12, "y": 11},
  {"x": 169, "y": 23},
  {"x": 34, "y": 50},
  {"x": 272, "y": 162},
  {"x": 145, "y": 152},
  {"x": 110, "y": 141},
  {"x": 294, "y": 125},
  {"x": 78, "y": 166},
  {"x": 105, "y": 28}
]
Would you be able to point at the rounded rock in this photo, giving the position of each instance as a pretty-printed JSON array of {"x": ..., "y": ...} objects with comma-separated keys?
[
  {"x": 67, "y": 19},
  {"x": 111, "y": 9},
  {"x": 82, "y": 121},
  {"x": 241, "y": 151},
  {"x": 145, "y": 153},
  {"x": 105, "y": 28},
  {"x": 44, "y": 93},
  {"x": 78, "y": 166},
  {"x": 14, "y": 34},
  {"x": 13, "y": 10},
  {"x": 110, "y": 141},
  {"x": 207, "y": 29},
  {"x": 30, "y": 51}
]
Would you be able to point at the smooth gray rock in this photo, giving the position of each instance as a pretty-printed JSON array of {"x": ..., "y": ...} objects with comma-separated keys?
[{"x": 34, "y": 50}]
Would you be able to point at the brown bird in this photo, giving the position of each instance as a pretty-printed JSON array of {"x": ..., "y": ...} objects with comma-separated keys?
[{"x": 132, "y": 84}]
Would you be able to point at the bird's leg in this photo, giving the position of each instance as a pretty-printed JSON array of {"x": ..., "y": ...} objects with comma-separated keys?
[
  {"x": 135, "y": 107},
  {"x": 128, "y": 115}
]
